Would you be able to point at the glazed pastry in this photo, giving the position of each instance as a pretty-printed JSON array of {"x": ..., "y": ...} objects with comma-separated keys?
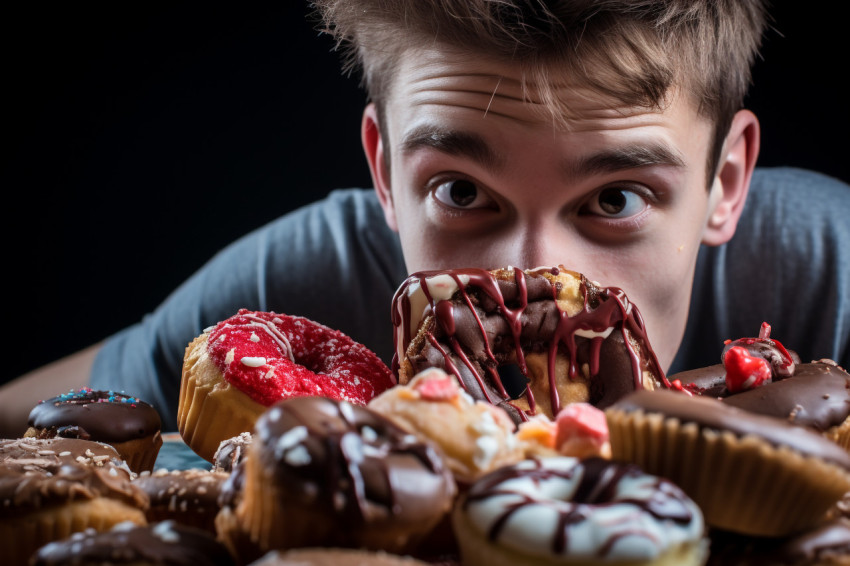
[
  {"x": 230, "y": 452},
  {"x": 163, "y": 544},
  {"x": 475, "y": 437},
  {"x": 755, "y": 461},
  {"x": 189, "y": 497},
  {"x": 568, "y": 511},
  {"x": 760, "y": 375},
  {"x": 528, "y": 341},
  {"x": 334, "y": 557},
  {"x": 52, "y": 488},
  {"x": 580, "y": 430},
  {"x": 322, "y": 472},
  {"x": 235, "y": 370},
  {"x": 129, "y": 424}
]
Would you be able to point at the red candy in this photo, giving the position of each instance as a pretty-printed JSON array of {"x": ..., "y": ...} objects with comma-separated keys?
[
  {"x": 272, "y": 356},
  {"x": 581, "y": 420},
  {"x": 441, "y": 387},
  {"x": 744, "y": 371}
]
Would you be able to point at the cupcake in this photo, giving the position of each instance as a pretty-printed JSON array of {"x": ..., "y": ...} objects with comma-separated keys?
[
  {"x": 235, "y": 370},
  {"x": 321, "y": 472},
  {"x": 750, "y": 473},
  {"x": 163, "y": 544},
  {"x": 52, "y": 488},
  {"x": 129, "y": 424},
  {"x": 189, "y": 497}
]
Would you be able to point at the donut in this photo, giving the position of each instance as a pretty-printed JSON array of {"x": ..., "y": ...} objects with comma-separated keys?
[
  {"x": 751, "y": 474},
  {"x": 166, "y": 543},
  {"x": 235, "y": 370},
  {"x": 474, "y": 437},
  {"x": 52, "y": 488},
  {"x": 528, "y": 341},
  {"x": 322, "y": 472},
  {"x": 334, "y": 557},
  {"x": 189, "y": 497},
  {"x": 565, "y": 510},
  {"x": 761, "y": 376},
  {"x": 129, "y": 424}
]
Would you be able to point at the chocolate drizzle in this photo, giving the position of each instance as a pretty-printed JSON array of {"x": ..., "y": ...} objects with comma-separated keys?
[
  {"x": 349, "y": 461},
  {"x": 478, "y": 320},
  {"x": 593, "y": 484}
]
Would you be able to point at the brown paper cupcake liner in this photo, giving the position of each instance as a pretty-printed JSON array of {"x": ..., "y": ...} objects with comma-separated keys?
[
  {"x": 209, "y": 414},
  {"x": 840, "y": 434},
  {"x": 741, "y": 484},
  {"x": 22, "y": 535}
]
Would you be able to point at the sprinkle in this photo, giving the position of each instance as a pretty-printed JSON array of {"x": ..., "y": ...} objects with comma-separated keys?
[{"x": 253, "y": 362}]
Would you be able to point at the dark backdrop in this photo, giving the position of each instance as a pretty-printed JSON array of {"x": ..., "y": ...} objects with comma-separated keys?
[{"x": 140, "y": 138}]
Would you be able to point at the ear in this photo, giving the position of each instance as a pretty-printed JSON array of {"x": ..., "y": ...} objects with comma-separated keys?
[
  {"x": 732, "y": 180},
  {"x": 373, "y": 145}
]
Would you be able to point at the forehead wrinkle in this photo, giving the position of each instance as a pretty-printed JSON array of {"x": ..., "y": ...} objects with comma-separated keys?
[
  {"x": 452, "y": 142},
  {"x": 611, "y": 160}
]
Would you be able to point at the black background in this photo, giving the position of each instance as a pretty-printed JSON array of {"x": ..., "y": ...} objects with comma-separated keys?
[{"x": 140, "y": 138}]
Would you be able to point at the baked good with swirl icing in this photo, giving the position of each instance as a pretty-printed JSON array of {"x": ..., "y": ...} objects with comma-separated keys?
[
  {"x": 129, "y": 424},
  {"x": 569, "y": 511},
  {"x": 235, "y": 370},
  {"x": 321, "y": 472},
  {"x": 762, "y": 376},
  {"x": 528, "y": 341},
  {"x": 51, "y": 488},
  {"x": 752, "y": 474}
]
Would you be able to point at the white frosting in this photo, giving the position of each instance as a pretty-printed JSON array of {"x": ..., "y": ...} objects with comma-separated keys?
[
  {"x": 253, "y": 362},
  {"x": 626, "y": 530}
]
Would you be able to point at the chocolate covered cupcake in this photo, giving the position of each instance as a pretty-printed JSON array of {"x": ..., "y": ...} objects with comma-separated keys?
[{"x": 129, "y": 424}]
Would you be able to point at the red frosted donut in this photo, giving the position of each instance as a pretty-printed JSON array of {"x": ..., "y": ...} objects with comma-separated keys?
[
  {"x": 275, "y": 356},
  {"x": 236, "y": 369}
]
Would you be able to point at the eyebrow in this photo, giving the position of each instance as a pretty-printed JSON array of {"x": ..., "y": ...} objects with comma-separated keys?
[
  {"x": 456, "y": 143},
  {"x": 631, "y": 157},
  {"x": 474, "y": 147}
]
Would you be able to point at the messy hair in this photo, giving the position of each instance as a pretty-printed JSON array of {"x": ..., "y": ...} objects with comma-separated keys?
[{"x": 633, "y": 51}]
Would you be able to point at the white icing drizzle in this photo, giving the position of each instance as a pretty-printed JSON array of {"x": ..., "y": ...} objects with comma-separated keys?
[
  {"x": 533, "y": 505},
  {"x": 272, "y": 330}
]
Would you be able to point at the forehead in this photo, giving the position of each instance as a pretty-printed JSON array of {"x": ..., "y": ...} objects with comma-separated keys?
[{"x": 445, "y": 77}]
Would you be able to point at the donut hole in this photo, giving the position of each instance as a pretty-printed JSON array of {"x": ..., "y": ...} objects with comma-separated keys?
[{"x": 514, "y": 382}]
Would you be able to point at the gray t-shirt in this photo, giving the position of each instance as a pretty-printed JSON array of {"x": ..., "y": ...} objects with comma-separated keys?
[{"x": 336, "y": 262}]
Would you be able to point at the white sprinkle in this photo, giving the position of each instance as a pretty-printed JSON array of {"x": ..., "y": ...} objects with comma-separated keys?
[
  {"x": 298, "y": 456},
  {"x": 165, "y": 532},
  {"x": 253, "y": 362},
  {"x": 290, "y": 438},
  {"x": 65, "y": 453},
  {"x": 228, "y": 359},
  {"x": 254, "y": 338},
  {"x": 346, "y": 411},
  {"x": 274, "y": 415},
  {"x": 368, "y": 433}
]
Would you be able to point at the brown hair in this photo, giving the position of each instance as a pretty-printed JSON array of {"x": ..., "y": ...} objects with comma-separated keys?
[{"x": 631, "y": 50}]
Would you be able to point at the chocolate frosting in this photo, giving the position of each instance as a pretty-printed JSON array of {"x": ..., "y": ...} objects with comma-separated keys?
[
  {"x": 353, "y": 463},
  {"x": 815, "y": 395},
  {"x": 709, "y": 413},
  {"x": 831, "y": 540},
  {"x": 181, "y": 492},
  {"x": 165, "y": 544},
  {"x": 492, "y": 321},
  {"x": 36, "y": 473},
  {"x": 230, "y": 452},
  {"x": 95, "y": 415}
]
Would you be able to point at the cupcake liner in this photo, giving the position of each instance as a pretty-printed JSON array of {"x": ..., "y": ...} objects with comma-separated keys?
[
  {"x": 140, "y": 454},
  {"x": 840, "y": 434},
  {"x": 741, "y": 484},
  {"x": 22, "y": 535},
  {"x": 213, "y": 410}
]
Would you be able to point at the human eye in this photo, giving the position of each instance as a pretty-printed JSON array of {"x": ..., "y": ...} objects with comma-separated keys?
[
  {"x": 461, "y": 194},
  {"x": 616, "y": 202}
]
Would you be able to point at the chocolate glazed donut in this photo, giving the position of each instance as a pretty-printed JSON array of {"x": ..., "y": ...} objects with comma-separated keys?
[
  {"x": 474, "y": 322},
  {"x": 327, "y": 473}
]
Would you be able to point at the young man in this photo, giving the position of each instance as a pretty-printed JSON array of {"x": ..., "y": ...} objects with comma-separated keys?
[{"x": 605, "y": 136}]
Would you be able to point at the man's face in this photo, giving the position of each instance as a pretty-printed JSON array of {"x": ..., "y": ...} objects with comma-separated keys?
[{"x": 480, "y": 178}]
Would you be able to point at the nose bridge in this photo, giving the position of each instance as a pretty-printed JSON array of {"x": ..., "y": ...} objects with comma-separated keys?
[{"x": 543, "y": 241}]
